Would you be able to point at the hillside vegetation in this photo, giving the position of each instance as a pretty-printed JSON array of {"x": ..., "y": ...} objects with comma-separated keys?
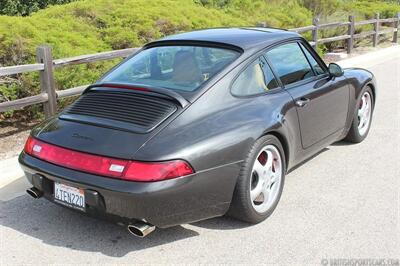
[
  {"x": 26, "y": 7},
  {"x": 92, "y": 26}
]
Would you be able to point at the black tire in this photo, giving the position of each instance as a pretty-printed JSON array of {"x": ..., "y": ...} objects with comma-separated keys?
[
  {"x": 354, "y": 135},
  {"x": 241, "y": 206}
]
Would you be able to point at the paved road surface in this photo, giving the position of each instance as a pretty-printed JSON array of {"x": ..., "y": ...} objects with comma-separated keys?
[{"x": 343, "y": 203}]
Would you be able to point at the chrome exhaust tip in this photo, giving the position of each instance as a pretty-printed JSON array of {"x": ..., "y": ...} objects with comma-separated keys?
[
  {"x": 34, "y": 192},
  {"x": 141, "y": 229}
]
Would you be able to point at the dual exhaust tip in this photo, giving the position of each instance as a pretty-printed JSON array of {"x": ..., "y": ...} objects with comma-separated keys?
[
  {"x": 34, "y": 192},
  {"x": 139, "y": 229}
]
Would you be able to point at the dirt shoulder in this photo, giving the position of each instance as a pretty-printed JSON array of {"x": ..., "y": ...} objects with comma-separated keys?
[{"x": 13, "y": 135}]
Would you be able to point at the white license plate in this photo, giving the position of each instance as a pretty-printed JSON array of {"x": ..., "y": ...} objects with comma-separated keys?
[{"x": 69, "y": 196}]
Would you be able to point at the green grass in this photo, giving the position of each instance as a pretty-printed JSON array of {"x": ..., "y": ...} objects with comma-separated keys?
[{"x": 91, "y": 26}]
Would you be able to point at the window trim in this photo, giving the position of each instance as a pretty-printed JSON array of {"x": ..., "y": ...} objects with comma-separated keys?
[
  {"x": 281, "y": 85},
  {"x": 313, "y": 53},
  {"x": 316, "y": 58}
]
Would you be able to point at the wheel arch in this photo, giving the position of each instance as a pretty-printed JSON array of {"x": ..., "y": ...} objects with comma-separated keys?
[
  {"x": 284, "y": 142},
  {"x": 373, "y": 89}
]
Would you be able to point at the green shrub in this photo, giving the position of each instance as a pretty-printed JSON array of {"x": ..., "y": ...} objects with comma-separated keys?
[
  {"x": 366, "y": 9},
  {"x": 92, "y": 26},
  {"x": 362, "y": 10},
  {"x": 322, "y": 8},
  {"x": 26, "y": 7}
]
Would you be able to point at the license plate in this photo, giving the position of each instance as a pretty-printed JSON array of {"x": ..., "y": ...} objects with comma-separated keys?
[{"x": 69, "y": 196}]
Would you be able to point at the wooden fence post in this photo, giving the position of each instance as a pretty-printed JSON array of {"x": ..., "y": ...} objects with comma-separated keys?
[
  {"x": 376, "y": 29},
  {"x": 262, "y": 24},
  {"x": 396, "y": 28},
  {"x": 47, "y": 84},
  {"x": 315, "y": 33},
  {"x": 350, "y": 41}
]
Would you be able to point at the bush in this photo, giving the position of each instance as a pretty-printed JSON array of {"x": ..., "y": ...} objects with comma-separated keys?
[
  {"x": 26, "y": 7},
  {"x": 100, "y": 25},
  {"x": 367, "y": 8},
  {"x": 322, "y": 8},
  {"x": 91, "y": 26}
]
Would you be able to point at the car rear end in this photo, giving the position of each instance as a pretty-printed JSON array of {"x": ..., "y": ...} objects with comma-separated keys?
[{"x": 88, "y": 157}]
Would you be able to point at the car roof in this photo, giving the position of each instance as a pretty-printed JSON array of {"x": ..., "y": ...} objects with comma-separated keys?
[{"x": 244, "y": 37}]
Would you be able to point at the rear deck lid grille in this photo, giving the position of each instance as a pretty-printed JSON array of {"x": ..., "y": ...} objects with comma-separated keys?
[{"x": 127, "y": 110}]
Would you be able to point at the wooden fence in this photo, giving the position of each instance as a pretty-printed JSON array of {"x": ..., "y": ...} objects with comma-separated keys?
[{"x": 45, "y": 63}]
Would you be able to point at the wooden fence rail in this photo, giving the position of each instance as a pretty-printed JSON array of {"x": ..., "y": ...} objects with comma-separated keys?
[{"x": 46, "y": 65}]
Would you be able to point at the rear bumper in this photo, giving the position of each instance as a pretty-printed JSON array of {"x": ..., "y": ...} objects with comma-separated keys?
[{"x": 187, "y": 199}]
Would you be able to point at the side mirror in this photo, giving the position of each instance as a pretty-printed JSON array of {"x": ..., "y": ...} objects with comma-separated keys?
[{"x": 335, "y": 70}]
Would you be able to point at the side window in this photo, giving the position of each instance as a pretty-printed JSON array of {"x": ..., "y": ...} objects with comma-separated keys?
[
  {"x": 257, "y": 78},
  {"x": 318, "y": 69},
  {"x": 290, "y": 63}
]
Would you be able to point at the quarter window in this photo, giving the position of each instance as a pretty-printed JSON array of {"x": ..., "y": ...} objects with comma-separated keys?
[
  {"x": 290, "y": 63},
  {"x": 257, "y": 78}
]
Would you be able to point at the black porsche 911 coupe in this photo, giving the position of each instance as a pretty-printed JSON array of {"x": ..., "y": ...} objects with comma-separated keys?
[{"x": 197, "y": 125}]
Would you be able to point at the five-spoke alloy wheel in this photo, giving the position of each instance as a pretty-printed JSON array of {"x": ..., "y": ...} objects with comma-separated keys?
[
  {"x": 260, "y": 182},
  {"x": 364, "y": 113},
  {"x": 265, "y": 178},
  {"x": 362, "y": 118}
]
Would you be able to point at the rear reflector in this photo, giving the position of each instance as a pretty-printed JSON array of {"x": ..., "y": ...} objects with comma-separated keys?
[{"x": 105, "y": 166}]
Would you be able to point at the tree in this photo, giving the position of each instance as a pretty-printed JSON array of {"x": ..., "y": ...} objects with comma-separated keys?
[{"x": 26, "y": 7}]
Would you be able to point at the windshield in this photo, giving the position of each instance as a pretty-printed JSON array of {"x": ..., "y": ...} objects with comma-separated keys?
[{"x": 183, "y": 68}]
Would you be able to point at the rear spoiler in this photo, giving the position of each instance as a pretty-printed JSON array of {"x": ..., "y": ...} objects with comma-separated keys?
[{"x": 143, "y": 88}]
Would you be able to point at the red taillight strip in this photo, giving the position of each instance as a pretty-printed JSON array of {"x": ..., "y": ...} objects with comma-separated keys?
[
  {"x": 76, "y": 160},
  {"x": 105, "y": 166}
]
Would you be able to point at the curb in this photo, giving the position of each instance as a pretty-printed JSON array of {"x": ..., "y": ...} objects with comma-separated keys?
[{"x": 10, "y": 171}]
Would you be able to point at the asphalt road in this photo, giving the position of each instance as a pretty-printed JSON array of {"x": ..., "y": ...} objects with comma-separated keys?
[{"x": 343, "y": 203}]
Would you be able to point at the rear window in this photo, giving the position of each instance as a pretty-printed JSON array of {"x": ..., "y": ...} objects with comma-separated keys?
[{"x": 183, "y": 68}]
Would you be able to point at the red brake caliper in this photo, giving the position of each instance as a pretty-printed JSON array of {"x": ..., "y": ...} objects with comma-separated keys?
[{"x": 262, "y": 158}]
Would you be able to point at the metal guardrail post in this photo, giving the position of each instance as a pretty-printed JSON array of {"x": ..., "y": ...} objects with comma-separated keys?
[
  {"x": 47, "y": 84},
  {"x": 350, "y": 41},
  {"x": 315, "y": 33},
  {"x": 375, "y": 39},
  {"x": 396, "y": 28}
]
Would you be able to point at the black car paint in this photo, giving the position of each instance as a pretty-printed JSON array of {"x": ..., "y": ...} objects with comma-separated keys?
[
  {"x": 214, "y": 132},
  {"x": 163, "y": 203}
]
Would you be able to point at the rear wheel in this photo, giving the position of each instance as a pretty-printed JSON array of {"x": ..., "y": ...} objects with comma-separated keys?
[
  {"x": 362, "y": 118},
  {"x": 260, "y": 183}
]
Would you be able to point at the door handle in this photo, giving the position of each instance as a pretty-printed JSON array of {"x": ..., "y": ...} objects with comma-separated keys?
[{"x": 302, "y": 102}]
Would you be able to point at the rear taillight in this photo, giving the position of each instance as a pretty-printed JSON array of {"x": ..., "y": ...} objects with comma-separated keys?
[
  {"x": 105, "y": 166},
  {"x": 74, "y": 159},
  {"x": 144, "y": 171}
]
